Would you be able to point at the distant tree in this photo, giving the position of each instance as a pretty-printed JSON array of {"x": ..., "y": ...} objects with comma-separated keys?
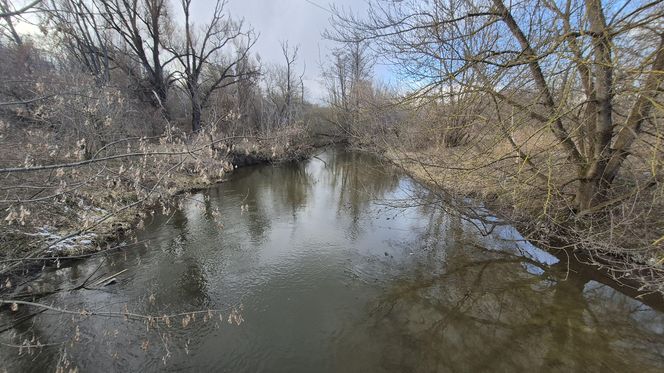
[
  {"x": 79, "y": 30},
  {"x": 141, "y": 27},
  {"x": 209, "y": 58},
  {"x": 284, "y": 86},
  {"x": 289, "y": 89},
  {"x": 348, "y": 80}
]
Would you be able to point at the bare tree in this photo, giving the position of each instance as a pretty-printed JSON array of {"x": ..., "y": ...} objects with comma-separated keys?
[
  {"x": 565, "y": 63},
  {"x": 288, "y": 91},
  {"x": 79, "y": 27},
  {"x": 141, "y": 26},
  {"x": 348, "y": 79},
  {"x": 6, "y": 12},
  {"x": 248, "y": 94},
  {"x": 559, "y": 108},
  {"x": 206, "y": 65},
  {"x": 7, "y": 26}
]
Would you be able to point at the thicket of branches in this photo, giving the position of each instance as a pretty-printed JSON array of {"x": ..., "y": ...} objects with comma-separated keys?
[{"x": 551, "y": 107}]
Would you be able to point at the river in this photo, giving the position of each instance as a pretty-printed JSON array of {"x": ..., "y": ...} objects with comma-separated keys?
[{"x": 329, "y": 265}]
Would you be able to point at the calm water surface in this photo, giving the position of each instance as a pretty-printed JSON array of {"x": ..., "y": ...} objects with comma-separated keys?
[{"x": 321, "y": 267}]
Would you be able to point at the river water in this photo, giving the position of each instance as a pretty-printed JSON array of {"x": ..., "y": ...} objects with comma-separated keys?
[{"x": 335, "y": 264}]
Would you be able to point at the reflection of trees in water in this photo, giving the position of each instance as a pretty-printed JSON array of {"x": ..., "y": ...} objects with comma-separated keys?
[
  {"x": 178, "y": 278},
  {"x": 180, "y": 275},
  {"x": 354, "y": 180},
  {"x": 246, "y": 190},
  {"x": 358, "y": 179},
  {"x": 30, "y": 331},
  {"x": 269, "y": 192},
  {"x": 463, "y": 309},
  {"x": 296, "y": 183},
  {"x": 482, "y": 312}
]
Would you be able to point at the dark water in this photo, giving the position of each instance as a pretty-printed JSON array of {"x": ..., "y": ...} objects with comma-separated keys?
[{"x": 320, "y": 267}]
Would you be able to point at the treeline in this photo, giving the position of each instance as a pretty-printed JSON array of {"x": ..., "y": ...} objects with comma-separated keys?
[{"x": 155, "y": 57}]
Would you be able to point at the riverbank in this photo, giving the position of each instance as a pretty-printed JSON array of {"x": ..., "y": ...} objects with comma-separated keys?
[
  {"x": 636, "y": 265},
  {"x": 98, "y": 204}
]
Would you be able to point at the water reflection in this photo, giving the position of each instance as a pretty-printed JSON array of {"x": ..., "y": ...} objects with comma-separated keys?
[
  {"x": 474, "y": 310},
  {"x": 328, "y": 276}
]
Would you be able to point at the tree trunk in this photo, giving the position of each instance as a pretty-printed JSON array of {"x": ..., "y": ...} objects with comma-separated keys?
[
  {"x": 195, "y": 116},
  {"x": 638, "y": 114},
  {"x": 596, "y": 182},
  {"x": 591, "y": 191}
]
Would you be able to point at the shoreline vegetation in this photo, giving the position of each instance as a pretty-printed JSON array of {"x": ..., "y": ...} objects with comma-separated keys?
[
  {"x": 98, "y": 223},
  {"x": 614, "y": 274},
  {"x": 548, "y": 112},
  {"x": 109, "y": 111}
]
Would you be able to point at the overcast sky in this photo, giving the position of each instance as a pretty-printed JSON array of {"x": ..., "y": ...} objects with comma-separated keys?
[{"x": 300, "y": 22}]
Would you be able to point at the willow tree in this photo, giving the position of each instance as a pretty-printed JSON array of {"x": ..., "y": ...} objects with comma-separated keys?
[{"x": 587, "y": 72}]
